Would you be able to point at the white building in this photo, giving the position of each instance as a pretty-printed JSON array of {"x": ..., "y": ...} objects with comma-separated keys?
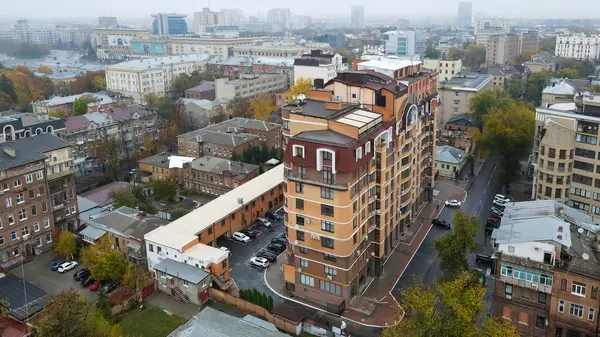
[
  {"x": 357, "y": 17},
  {"x": 210, "y": 45},
  {"x": 281, "y": 16},
  {"x": 387, "y": 66},
  {"x": 319, "y": 66},
  {"x": 232, "y": 16},
  {"x": 139, "y": 78},
  {"x": 485, "y": 28},
  {"x": 250, "y": 86},
  {"x": 405, "y": 43},
  {"x": 107, "y": 21},
  {"x": 465, "y": 14},
  {"x": 205, "y": 18},
  {"x": 579, "y": 47},
  {"x": 447, "y": 69}
]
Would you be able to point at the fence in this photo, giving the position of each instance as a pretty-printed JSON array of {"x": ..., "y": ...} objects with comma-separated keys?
[
  {"x": 280, "y": 323},
  {"x": 145, "y": 292}
]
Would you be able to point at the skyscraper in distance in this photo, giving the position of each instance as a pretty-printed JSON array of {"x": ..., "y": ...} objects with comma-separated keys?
[
  {"x": 169, "y": 24},
  {"x": 357, "y": 17},
  {"x": 465, "y": 14}
]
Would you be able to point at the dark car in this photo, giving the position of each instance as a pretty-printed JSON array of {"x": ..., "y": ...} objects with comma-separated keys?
[
  {"x": 270, "y": 256},
  {"x": 441, "y": 223},
  {"x": 485, "y": 259},
  {"x": 493, "y": 221},
  {"x": 86, "y": 282},
  {"x": 108, "y": 287},
  {"x": 81, "y": 274},
  {"x": 249, "y": 233},
  {"x": 273, "y": 216},
  {"x": 280, "y": 240},
  {"x": 276, "y": 247}
]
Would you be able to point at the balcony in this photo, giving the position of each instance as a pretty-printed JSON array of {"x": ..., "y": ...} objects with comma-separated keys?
[
  {"x": 61, "y": 174},
  {"x": 526, "y": 284},
  {"x": 318, "y": 181},
  {"x": 58, "y": 207}
]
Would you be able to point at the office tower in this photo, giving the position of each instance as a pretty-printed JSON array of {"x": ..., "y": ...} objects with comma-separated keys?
[
  {"x": 281, "y": 16},
  {"x": 169, "y": 24},
  {"x": 107, "y": 21},
  {"x": 232, "y": 16},
  {"x": 465, "y": 14},
  {"x": 405, "y": 43},
  {"x": 205, "y": 18},
  {"x": 357, "y": 17}
]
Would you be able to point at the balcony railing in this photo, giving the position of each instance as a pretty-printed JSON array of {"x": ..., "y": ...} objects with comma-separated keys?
[
  {"x": 61, "y": 174},
  {"x": 329, "y": 183},
  {"x": 526, "y": 284}
]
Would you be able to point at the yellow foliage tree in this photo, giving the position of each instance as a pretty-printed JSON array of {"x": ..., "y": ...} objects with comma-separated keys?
[
  {"x": 262, "y": 106},
  {"x": 44, "y": 70},
  {"x": 26, "y": 90},
  {"x": 149, "y": 147},
  {"x": 302, "y": 86}
]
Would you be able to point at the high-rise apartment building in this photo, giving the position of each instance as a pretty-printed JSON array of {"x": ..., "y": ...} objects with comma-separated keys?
[
  {"x": 579, "y": 46},
  {"x": 405, "y": 43},
  {"x": 358, "y": 164},
  {"x": 205, "y": 18},
  {"x": 547, "y": 272},
  {"x": 232, "y": 16},
  {"x": 503, "y": 48},
  {"x": 465, "y": 14},
  {"x": 357, "y": 17},
  {"x": 169, "y": 24},
  {"x": 483, "y": 29},
  {"x": 281, "y": 16},
  {"x": 107, "y": 21}
]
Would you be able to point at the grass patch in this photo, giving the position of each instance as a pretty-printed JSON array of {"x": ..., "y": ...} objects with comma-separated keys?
[{"x": 150, "y": 322}]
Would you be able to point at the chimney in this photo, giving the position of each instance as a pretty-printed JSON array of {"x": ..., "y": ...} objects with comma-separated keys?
[
  {"x": 333, "y": 105},
  {"x": 10, "y": 151}
]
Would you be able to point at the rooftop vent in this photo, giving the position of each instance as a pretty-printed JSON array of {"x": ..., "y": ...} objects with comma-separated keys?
[{"x": 10, "y": 151}]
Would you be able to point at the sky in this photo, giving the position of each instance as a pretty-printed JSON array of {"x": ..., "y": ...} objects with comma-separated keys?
[{"x": 320, "y": 9}]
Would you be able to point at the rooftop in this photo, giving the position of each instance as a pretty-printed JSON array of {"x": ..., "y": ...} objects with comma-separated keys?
[
  {"x": 369, "y": 79},
  {"x": 387, "y": 64},
  {"x": 184, "y": 230},
  {"x": 204, "y": 103},
  {"x": 203, "y": 87},
  {"x": 502, "y": 71},
  {"x": 449, "y": 154},
  {"x": 24, "y": 299},
  {"x": 216, "y": 137},
  {"x": 166, "y": 160},
  {"x": 239, "y": 124},
  {"x": 326, "y": 137},
  {"x": 316, "y": 109},
  {"x": 255, "y": 78},
  {"x": 60, "y": 100},
  {"x": 158, "y": 62},
  {"x": 100, "y": 195},
  {"x": 125, "y": 221},
  {"x": 181, "y": 270},
  {"x": 468, "y": 81},
  {"x": 219, "y": 166},
  {"x": 29, "y": 150}
]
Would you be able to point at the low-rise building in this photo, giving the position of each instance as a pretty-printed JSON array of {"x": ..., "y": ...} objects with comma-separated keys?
[
  {"x": 562, "y": 90},
  {"x": 541, "y": 63},
  {"x": 320, "y": 66},
  {"x": 187, "y": 283},
  {"x": 16, "y": 125},
  {"x": 204, "y": 142},
  {"x": 250, "y": 86},
  {"x": 456, "y": 94},
  {"x": 449, "y": 161},
  {"x": 445, "y": 68},
  {"x": 233, "y": 67},
  {"x": 268, "y": 50},
  {"x": 200, "y": 112},
  {"x": 266, "y": 131},
  {"x": 164, "y": 166},
  {"x": 459, "y": 131},
  {"x": 216, "y": 176},
  {"x": 62, "y": 106},
  {"x": 501, "y": 76},
  {"x": 204, "y": 90}
]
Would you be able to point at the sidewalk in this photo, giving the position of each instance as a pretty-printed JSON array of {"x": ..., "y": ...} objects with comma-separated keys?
[{"x": 376, "y": 306}]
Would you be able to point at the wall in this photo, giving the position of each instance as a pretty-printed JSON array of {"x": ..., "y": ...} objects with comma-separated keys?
[
  {"x": 326, "y": 73},
  {"x": 192, "y": 291},
  {"x": 528, "y": 249}
]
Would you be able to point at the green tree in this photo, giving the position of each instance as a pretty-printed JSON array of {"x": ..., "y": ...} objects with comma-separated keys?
[
  {"x": 80, "y": 105},
  {"x": 450, "y": 308},
  {"x": 508, "y": 132},
  {"x": 432, "y": 53},
  {"x": 347, "y": 54},
  {"x": 164, "y": 189},
  {"x": 484, "y": 102},
  {"x": 536, "y": 84},
  {"x": 515, "y": 88},
  {"x": 66, "y": 245},
  {"x": 594, "y": 88},
  {"x": 98, "y": 83},
  {"x": 262, "y": 106},
  {"x": 135, "y": 278},
  {"x": 475, "y": 55},
  {"x": 470, "y": 158},
  {"x": 452, "y": 248},
  {"x": 455, "y": 54},
  {"x": 123, "y": 197},
  {"x": 109, "y": 265},
  {"x": 568, "y": 73}
]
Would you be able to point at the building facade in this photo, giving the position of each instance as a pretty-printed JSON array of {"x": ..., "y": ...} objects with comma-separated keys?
[
  {"x": 320, "y": 66},
  {"x": 115, "y": 43},
  {"x": 447, "y": 69},
  {"x": 357, "y": 17},
  {"x": 465, "y": 14},
  {"x": 579, "y": 47},
  {"x": 250, "y": 86},
  {"x": 456, "y": 94},
  {"x": 405, "y": 43},
  {"x": 107, "y": 21},
  {"x": 216, "y": 176},
  {"x": 169, "y": 24}
]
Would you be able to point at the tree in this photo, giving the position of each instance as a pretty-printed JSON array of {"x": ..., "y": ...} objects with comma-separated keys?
[
  {"x": 475, "y": 55},
  {"x": 548, "y": 44},
  {"x": 455, "y": 54},
  {"x": 164, "y": 189},
  {"x": 508, "y": 132},
  {"x": 240, "y": 107},
  {"x": 470, "y": 158},
  {"x": 184, "y": 82},
  {"x": 594, "y": 88},
  {"x": 98, "y": 83},
  {"x": 44, "y": 70},
  {"x": 109, "y": 265},
  {"x": 301, "y": 87},
  {"x": 123, "y": 197},
  {"x": 452, "y": 248},
  {"x": 450, "y": 308},
  {"x": 432, "y": 53},
  {"x": 568, "y": 73},
  {"x": 135, "y": 278},
  {"x": 149, "y": 147},
  {"x": 526, "y": 56},
  {"x": 152, "y": 100},
  {"x": 515, "y": 88},
  {"x": 80, "y": 105},
  {"x": 262, "y": 106},
  {"x": 484, "y": 102},
  {"x": 109, "y": 152},
  {"x": 535, "y": 85},
  {"x": 65, "y": 245}
]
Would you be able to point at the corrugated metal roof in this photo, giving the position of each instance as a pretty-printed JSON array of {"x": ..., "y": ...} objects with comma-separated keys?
[{"x": 181, "y": 270}]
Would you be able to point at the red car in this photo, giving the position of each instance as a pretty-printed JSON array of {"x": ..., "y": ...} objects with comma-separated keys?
[
  {"x": 494, "y": 220},
  {"x": 94, "y": 286}
]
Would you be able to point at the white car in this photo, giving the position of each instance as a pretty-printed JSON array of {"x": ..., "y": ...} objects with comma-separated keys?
[
  {"x": 453, "y": 203},
  {"x": 501, "y": 199},
  {"x": 241, "y": 237},
  {"x": 260, "y": 262},
  {"x": 66, "y": 266}
]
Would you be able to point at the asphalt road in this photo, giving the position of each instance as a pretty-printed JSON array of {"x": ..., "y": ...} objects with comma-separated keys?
[{"x": 425, "y": 263}]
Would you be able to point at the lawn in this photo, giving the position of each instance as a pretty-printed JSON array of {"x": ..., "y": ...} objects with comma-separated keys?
[{"x": 149, "y": 322}]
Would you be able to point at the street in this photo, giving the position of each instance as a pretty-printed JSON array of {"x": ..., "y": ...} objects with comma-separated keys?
[{"x": 425, "y": 263}]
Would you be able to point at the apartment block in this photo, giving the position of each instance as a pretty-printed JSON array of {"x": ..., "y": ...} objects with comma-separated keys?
[
  {"x": 210, "y": 45},
  {"x": 547, "y": 270},
  {"x": 322, "y": 67},
  {"x": 204, "y": 90},
  {"x": 164, "y": 166},
  {"x": 578, "y": 46},
  {"x": 250, "y": 86},
  {"x": 62, "y": 106},
  {"x": 216, "y": 176},
  {"x": 20, "y": 125},
  {"x": 484, "y": 29},
  {"x": 502, "y": 76},
  {"x": 355, "y": 174},
  {"x": 200, "y": 143},
  {"x": 405, "y": 43},
  {"x": 456, "y": 94},
  {"x": 503, "y": 48},
  {"x": 271, "y": 51},
  {"x": 447, "y": 69},
  {"x": 113, "y": 43},
  {"x": 565, "y": 154}
]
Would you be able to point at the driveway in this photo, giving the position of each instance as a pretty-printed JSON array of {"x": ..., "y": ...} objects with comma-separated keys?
[{"x": 38, "y": 272}]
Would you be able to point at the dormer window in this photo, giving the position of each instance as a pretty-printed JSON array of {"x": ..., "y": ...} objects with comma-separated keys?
[{"x": 298, "y": 151}]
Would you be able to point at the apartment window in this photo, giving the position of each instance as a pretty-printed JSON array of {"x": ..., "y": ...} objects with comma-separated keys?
[
  {"x": 330, "y": 287},
  {"x": 304, "y": 263},
  {"x": 561, "y": 306},
  {"x": 585, "y": 153},
  {"x": 25, "y": 231},
  {"x": 506, "y": 312},
  {"x": 540, "y": 321},
  {"x": 33, "y": 210},
  {"x": 307, "y": 280},
  {"x": 8, "y": 201},
  {"x": 542, "y": 298},
  {"x": 524, "y": 317},
  {"x": 18, "y": 183},
  {"x": 563, "y": 284},
  {"x": 11, "y": 220},
  {"x": 44, "y": 207},
  {"x": 326, "y": 193},
  {"x": 20, "y": 198},
  {"x": 327, "y": 210},
  {"x": 586, "y": 139},
  {"x": 327, "y": 226},
  {"x": 508, "y": 289},
  {"x": 300, "y": 235},
  {"x": 13, "y": 235},
  {"x": 298, "y": 151},
  {"x": 594, "y": 292},
  {"x": 36, "y": 227},
  {"x": 40, "y": 175},
  {"x": 299, "y": 188},
  {"x": 303, "y": 250},
  {"x": 1, "y": 240},
  {"x": 46, "y": 223},
  {"x": 576, "y": 310},
  {"x": 329, "y": 257},
  {"x": 327, "y": 155},
  {"x": 327, "y": 242},
  {"x": 330, "y": 270},
  {"x": 300, "y": 203},
  {"x": 358, "y": 153},
  {"x": 28, "y": 178},
  {"x": 300, "y": 219},
  {"x": 301, "y": 170},
  {"x": 151, "y": 247},
  {"x": 591, "y": 314},
  {"x": 578, "y": 289},
  {"x": 367, "y": 147},
  {"x": 22, "y": 214}
]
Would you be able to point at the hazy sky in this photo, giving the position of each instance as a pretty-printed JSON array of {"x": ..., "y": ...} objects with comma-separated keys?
[{"x": 316, "y": 8}]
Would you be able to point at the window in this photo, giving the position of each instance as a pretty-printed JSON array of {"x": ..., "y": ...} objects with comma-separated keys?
[
  {"x": 358, "y": 153},
  {"x": 40, "y": 175},
  {"x": 46, "y": 223},
  {"x": 25, "y": 231},
  {"x": 506, "y": 312},
  {"x": 561, "y": 306},
  {"x": 300, "y": 219},
  {"x": 540, "y": 321},
  {"x": 367, "y": 147},
  {"x": 36, "y": 227},
  {"x": 151, "y": 247},
  {"x": 299, "y": 188},
  {"x": 300, "y": 203},
  {"x": 591, "y": 314},
  {"x": 327, "y": 226},
  {"x": 304, "y": 263},
  {"x": 576, "y": 310},
  {"x": 563, "y": 284},
  {"x": 594, "y": 292},
  {"x": 542, "y": 298},
  {"x": 524, "y": 317},
  {"x": 303, "y": 250},
  {"x": 307, "y": 280},
  {"x": 578, "y": 289},
  {"x": 22, "y": 214},
  {"x": 13, "y": 235},
  {"x": 508, "y": 290},
  {"x": 17, "y": 183},
  {"x": 300, "y": 235},
  {"x": 298, "y": 151},
  {"x": 33, "y": 210},
  {"x": 330, "y": 287},
  {"x": 44, "y": 207},
  {"x": 327, "y": 242},
  {"x": 20, "y": 198},
  {"x": 185, "y": 283},
  {"x": 1, "y": 240},
  {"x": 326, "y": 193},
  {"x": 327, "y": 155},
  {"x": 330, "y": 270},
  {"x": 329, "y": 257},
  {"x": 11, "y": 220},
  {"x": 8, "y": 202},
  {"x": 28, "y": 178},
  {"x": 327, "y": 210}
]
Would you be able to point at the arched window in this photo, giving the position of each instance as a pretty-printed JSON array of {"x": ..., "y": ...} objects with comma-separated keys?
[
  {"x": 27, "y": 133},
  {"x": 50, "y": 129},
  {"x": 9, "y": 133},
  {"x": 39, "y": 131}
]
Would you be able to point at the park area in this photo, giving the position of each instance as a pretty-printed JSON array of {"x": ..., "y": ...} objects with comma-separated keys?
[{"x": 149, "y": 322}]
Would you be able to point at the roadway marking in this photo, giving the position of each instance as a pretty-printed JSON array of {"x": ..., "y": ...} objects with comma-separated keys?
[
  {"x": 489, "y": 182},
  {"x": 485, "y": 191}
]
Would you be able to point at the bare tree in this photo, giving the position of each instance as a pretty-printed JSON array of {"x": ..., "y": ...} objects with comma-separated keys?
[{"x": 109, "y": 151}]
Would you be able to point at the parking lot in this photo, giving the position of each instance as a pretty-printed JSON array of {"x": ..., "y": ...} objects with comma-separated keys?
[
  {"x": 243, "y": 273},
  {"x": 38, "y": 273}
]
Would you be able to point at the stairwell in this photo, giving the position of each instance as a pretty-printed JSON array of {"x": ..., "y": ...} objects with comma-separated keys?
[
  {"x": 179, "y": 294},
  {"x": 224, "y": 285}
]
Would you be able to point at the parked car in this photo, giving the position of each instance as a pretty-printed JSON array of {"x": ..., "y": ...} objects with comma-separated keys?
[
  {"x": 493, "y": 220},
  {"x": 280, "y": 240},
  {"x": 241, "y": 237},
  {"x": 501, "y": 198},
  {"x": 270, "y": 256},
  {"x": 54, "y": 266},
  {"x": 66, "y": 266},
  {"x": 81, "y": 274},
  {"x": 86, "y": 282},
  {"x": 249, "y": 233},
  {"x": 276, "y": 247},
  {"x": 453, "y": 203},
  {"x": 441, "y": 223},
  {"x": 497, "y": 213},
  {"x": 498, "y": 204},
  {"x": 259, "y": 262},
  {"x": 95, "y": 285},
  {"x": 485, "y": 259},
  {"x": 262, "y": 222},
  {"x": 273, "y": 216},
  {"x": 109, "y": 287}
]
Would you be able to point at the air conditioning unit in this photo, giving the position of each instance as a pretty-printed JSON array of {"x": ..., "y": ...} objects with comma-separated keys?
[
  {"x": 25, "y": 237},
  {"x": 534, "y": 285},
  {"x": 378, "y": 212},
  {"x": 329, "y": 278},
  {"x": 508, "y": 297},
  {"x": 297, "y": 226},
  {"x": 307, "y": 220},
  {"x": 38, "y": 195},
  {"x": 315, "y": 236}
]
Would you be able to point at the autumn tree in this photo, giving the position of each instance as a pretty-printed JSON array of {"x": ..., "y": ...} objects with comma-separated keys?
[
  {"x": 594, "y": 88},
  {"x": 164, "y": 189},
  {"x": 153, "y": 100},
  {"x": 568, "y": 73},
  {"x": 89, "y": 82},
  {"x": 44, "y": 70},
  {"x": 452, "y": 308},
  {"x": 525, "y": 56},
  {"x": 109, "y": 152},
  {"x": 475, "y": 55},
  {"x": 456, "y": 54},
  {"x": 149, "y": 146},
  {"x": 452, "y": 248},
  {"x": 484, "y": 102},
  {"x": 515, "y": 88},
  {"x": 98, "y": 83},
  {"x": 167, "y": 135},
  {"x": 80, "y": 105},
  {"x": 302, "y": 86},
  {"x": 262, "y": 106},
  {"x": 240, "y": 107},
  {"x": 135, "y": 278},
  {"x": 109, "y": 265},
  {"x": 508, "y": 132},
  {"x": 535, "y": 85},
  {"x": 123, "y": 197},
  {"x": 66, "y": 245},
  {"x": 346, "y": 54}
]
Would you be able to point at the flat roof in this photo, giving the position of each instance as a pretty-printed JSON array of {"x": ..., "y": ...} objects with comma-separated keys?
[
  {"x": 166, "y": 160},
  {"x": 468, "y": 81},
  {"x": 157, "y": 62},
  {"x": 326, "y": 137},
  {"x": 314, "y": 108},
  {"x": 181, "y": 270},
  {"x": 388, "y": 64},
  {"x": 24, "y": 299},
  {"x": 361, "y": 119},
  {"x": 185, "y": 229},
  {"x": 206, "y": 253}
]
